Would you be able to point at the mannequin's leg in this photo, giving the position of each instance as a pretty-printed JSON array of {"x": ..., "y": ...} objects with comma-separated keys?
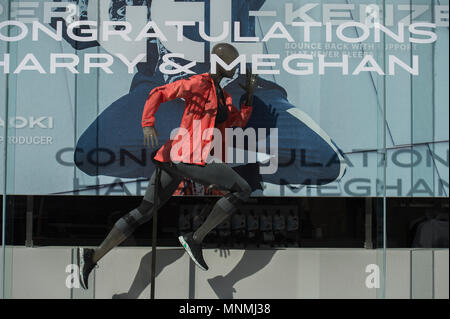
[
  {"x": 223, "y": 209},
  {"x": 126, "y": 225},
  {"x": 225, "y": 178}
]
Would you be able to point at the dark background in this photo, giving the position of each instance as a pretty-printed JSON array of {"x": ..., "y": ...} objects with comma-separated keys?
[{"x": 354, "y": 222}]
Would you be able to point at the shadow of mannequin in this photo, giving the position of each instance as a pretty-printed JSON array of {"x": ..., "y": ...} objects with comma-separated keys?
[
  {"x": 143, "y": 275},
  {"x": 251, "y": 262}
]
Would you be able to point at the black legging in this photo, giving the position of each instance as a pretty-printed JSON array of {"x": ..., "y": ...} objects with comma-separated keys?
[{"x": 219, "y": 174}]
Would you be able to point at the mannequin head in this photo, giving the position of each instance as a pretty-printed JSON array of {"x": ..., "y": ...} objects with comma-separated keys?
[{"x": 228, "y": 54}]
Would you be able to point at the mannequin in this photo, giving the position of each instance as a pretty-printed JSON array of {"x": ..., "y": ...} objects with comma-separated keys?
[{"x": 218, "y": 113}]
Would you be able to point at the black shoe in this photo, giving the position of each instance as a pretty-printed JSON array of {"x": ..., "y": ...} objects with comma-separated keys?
[
  {"x": 85, "y": 265},
  {"x": 194, "y": 250}
]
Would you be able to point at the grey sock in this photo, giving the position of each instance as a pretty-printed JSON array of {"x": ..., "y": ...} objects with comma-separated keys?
[
  {"x": 220, "y": 212},
  {"x": 114, "y": 238}
]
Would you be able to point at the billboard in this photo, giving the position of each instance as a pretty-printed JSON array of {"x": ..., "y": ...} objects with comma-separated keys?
[{"x": 352, "y": 97}]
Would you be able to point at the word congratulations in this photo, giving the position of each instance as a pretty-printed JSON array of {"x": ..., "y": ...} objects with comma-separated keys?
[{"x": 420, "y": 32}]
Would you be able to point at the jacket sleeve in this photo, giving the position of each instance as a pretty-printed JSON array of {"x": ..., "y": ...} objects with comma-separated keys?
[
  {"x": 178, "y": 89},
  {"x": 239, "y": 117}
]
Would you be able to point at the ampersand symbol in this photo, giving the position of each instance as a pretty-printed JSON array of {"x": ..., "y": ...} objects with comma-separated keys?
[{"x": 170, "y": 67}]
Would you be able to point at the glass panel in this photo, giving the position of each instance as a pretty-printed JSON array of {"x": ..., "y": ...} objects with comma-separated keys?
[
  {"x": 8, "y": 112},
  {"x": 3, "y": 99},
  {"x": 418, "y": 157},
  {"x": 353, "y": 149}
]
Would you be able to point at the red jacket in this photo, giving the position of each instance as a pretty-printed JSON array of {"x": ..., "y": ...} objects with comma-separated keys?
[{"x": 200, "y": 112}]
